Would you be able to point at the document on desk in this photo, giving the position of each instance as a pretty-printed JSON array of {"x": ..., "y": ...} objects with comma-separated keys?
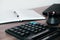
[
  {"x": 20, "y": 15},
  {"x": 29, "y": 15}
]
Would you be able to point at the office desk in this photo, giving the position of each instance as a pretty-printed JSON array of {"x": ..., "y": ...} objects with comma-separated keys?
[{"x": 3, "y": 27}]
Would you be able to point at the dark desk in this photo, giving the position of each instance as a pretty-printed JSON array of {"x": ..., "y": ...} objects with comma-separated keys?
[{"x": 4, "y": 36}]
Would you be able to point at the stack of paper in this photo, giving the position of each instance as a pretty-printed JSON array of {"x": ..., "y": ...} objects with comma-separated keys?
[
  {"x": 29, "y": 15},
  {"x": 10, "y": 16}
]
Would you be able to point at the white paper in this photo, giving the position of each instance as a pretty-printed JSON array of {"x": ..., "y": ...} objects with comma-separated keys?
[
  {"x": 9, "y": 16},
  {"x": 29, "y": 15}
]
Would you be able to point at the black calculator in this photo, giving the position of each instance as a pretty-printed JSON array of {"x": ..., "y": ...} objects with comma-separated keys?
[{"x": 33, "y": 31}]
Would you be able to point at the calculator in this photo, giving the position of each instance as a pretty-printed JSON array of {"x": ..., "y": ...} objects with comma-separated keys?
[{"x": 33, "y": 31}]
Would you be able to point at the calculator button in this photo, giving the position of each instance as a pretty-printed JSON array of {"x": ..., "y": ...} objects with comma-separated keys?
[
  {"x": 19, "y": 32},
  {"x": 40, "y": 27},
  {"x": 43, "y": 28},
  {"x": 16, "y": 28},
  {"x": 29, "y": 29},
  {"x": 23, "y": 31},
  {"x": 11, "y": 29},
  {"x": 36, "y": 31},
  {"x": 15, "y": 31},
  {"x": 27, "y": 32},
  {"x": 25, "y": 27},
  {"x": 22, "y": 34},
  {"x": 32, "y": 27},
  {"x": 29, "y": 26},
  {"x": 36, "y": 26},
  {"x": 32, "y": 30},
  {"x": 20, "y": 29},
  {"x": 34, "y": 22}
]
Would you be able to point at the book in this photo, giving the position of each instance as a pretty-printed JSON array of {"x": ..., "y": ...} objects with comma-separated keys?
[{"x": 20, "y": 15}]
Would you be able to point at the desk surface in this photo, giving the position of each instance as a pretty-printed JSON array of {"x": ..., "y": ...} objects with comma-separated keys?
[{"x": 3, "y": 27}]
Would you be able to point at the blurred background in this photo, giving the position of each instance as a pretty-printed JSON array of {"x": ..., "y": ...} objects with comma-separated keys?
[{"x": 6, "y": 5}]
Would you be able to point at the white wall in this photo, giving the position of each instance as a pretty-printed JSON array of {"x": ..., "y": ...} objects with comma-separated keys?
[{"x": 24, "y": 4}]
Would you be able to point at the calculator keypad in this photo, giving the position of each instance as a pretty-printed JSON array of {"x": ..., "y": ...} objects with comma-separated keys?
[{"x": 27, "y": 29}]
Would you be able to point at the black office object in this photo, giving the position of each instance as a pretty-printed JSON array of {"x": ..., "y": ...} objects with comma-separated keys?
[
  {"x": 33, "y": 31},
  {"x": 52, "y": 19},
  {"x": 54, "y": 7},
  {"x": 53, "y": 14}
]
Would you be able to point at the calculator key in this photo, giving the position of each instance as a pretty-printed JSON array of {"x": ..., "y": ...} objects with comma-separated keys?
[
  {"x": 11, "y": 29},
  {"x": 22, "y": 26},
  {"x": 35, "y": 31},
  {"x": 32, "y": 30},
  {"x": 36, "y": 26},
  {"x": 43, "y": 28},
  {"x": 16, "y": 28},
  {"x": 22, "y": 34},
  {"x": 15, "y": 31},
  {"x": 20, "y": 29},
  {"x": 40, "y": 27},
  {"x": 27, "y": 32},
  {"x": 33, "y": 22},
  {"x": 25, "y": 27},
  {"x": 29, "y": 26},
  {"x": 23, "y": 31},
  {"x": 19, "y": 32},
  {"x": 32, "y": 27},
  {"x": 29, "y": 29}
]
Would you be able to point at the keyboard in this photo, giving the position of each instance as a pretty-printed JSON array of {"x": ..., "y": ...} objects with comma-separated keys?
[{"x": 33, "y": 31}]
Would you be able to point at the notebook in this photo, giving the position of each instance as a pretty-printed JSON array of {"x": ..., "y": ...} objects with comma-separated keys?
[{"x": 19, "y": 15}]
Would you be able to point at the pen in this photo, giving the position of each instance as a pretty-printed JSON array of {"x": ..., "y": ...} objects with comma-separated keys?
[{"x": 16, "y": 13}]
